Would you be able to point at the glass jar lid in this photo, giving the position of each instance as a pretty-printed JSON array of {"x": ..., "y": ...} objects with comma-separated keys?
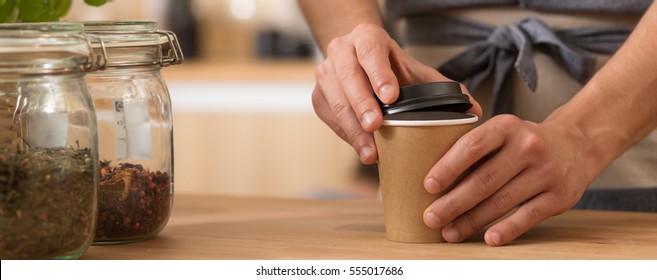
[
  {"x": 46, "y": 48},
  {"x": 136, "y": 43},
  {"x": 42, "y": 27}
]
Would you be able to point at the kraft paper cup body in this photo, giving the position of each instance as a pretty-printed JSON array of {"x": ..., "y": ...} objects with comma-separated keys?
[{"x": 408, "y": 148}]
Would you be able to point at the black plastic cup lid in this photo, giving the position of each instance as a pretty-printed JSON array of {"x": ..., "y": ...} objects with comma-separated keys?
[{"x": 436, "y": 96}]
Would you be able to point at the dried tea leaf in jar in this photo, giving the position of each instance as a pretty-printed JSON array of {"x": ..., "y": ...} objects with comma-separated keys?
[{"x": 48, "y": 144}]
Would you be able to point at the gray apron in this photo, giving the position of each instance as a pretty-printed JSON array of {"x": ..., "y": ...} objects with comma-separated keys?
[{"x": 550, "y": 74}]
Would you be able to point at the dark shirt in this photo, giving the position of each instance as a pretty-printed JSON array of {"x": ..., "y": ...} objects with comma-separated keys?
[{"x": 404, "y": 8}]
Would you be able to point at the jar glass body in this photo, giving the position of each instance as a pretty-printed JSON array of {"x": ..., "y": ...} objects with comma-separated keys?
[
  {"x": 136, "y": 154},
  {"x": 135, "y": 134},
  {"x": 48, "y": 149}
]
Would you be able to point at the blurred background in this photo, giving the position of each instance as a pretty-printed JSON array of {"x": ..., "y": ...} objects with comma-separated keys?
[{"x": 243, "y": 118}]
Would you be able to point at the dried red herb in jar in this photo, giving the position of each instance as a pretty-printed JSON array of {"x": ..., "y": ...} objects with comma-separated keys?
[{"x": 134, "y": 203}]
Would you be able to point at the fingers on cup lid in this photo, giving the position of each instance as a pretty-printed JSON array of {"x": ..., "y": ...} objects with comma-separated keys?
[{"x": 437, "y": 96}]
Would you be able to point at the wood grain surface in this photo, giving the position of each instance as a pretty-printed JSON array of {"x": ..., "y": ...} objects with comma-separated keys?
[{"x": 254, "y": 228}]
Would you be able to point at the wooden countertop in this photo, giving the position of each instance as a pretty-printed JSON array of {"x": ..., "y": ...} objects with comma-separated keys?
[{"x": 252, "y": 228}]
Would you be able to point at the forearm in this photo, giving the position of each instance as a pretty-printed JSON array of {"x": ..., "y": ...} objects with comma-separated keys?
[
  {"x": 330, "y": 19},
  {"x": 618, "y": 107}
]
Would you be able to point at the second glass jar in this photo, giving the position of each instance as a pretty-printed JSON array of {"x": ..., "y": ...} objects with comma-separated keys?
[{"x": 135, "y": 130}]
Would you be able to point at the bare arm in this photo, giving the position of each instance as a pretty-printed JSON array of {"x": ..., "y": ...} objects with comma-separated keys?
[
  {"x": 543, "y": 169},
  {"x": 361, "y": 61},
  {"x": 618, "y": 107},
  {"x": 330, "y": 19}
]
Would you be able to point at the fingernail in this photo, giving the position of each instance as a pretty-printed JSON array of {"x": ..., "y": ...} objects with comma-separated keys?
[
  {"x": 431, "y": 185},
  {"x": 385, "y": 93},
  {"x": 451, "y": 234},
  {"x": 431, "y": 219},
  {"x": 494, "y": 238},
  {"x": 365, "y": 153},
  {"x": 368, "y": 119}
]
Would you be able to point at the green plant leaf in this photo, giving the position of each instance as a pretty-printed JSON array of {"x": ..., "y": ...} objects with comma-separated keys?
[
  {"x": 6, "y": 9},
  {"x": 35, "y": 11},
  {"x": 96, "y": 3},
  {"x": 38, "y": 10},
  {"x": 62, "y": 7}
]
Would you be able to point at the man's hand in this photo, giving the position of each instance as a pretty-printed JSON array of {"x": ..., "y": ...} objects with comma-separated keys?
[
  {"x": 358, "y": 66},
  {"x": 533, "y": 170}
]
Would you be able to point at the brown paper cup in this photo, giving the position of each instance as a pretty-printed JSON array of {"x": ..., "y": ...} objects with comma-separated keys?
[{"x": 409, "y": 144}]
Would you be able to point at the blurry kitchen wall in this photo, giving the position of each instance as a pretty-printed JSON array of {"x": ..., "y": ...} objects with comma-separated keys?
[
  {"x": 238, "y": 29},
  {"x": 243, "y": 118},
  {"x": 217, "y": 29}
]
